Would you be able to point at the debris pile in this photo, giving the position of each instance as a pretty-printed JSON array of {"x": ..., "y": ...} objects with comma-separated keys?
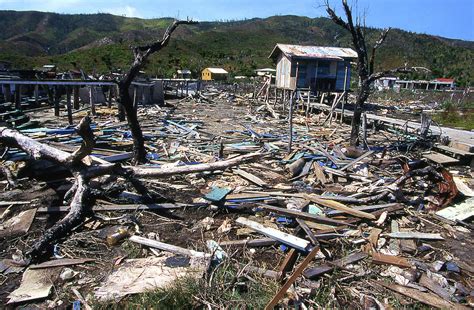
[{"x": 324, "y": 225}]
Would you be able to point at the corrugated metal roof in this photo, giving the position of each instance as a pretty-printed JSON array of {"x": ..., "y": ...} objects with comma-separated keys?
[
  {"x": 217, "y": 70},
  {"x": 321, "y": 52}
]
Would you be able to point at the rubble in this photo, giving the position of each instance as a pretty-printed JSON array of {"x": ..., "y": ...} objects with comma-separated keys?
[{"x": 323, "y": 215}]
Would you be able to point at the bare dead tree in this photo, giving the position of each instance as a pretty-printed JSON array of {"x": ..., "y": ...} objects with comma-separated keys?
[
  {"x": 141, "y": 54},
  {"x": 365, "y": 66}
]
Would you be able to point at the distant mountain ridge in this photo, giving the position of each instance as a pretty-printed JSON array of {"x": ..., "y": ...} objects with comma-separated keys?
[{"x": 101, "y": 42}]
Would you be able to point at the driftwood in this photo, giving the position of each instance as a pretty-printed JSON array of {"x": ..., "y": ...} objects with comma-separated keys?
[{"x": 80, "y": 193}]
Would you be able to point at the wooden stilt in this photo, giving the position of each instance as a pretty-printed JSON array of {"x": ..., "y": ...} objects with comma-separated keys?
[
  {"x": 69, "y": 105},
  {"x": 91, "y": 101},
  {"x": 56, "y": 98},
  {"x": 76, "y": 97},
  {"x": 36, "y": 94},
  {"x": 18, "y": 97},
  {"x": 290, "y": 123}
]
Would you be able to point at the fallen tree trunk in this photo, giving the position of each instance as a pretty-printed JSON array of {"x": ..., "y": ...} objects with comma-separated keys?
[{"x": 82, "y": 197}]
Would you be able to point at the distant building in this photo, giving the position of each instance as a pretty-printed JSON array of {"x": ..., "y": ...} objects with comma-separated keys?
[
  {"x": 184, "y": 74},
  {"x": 316, "y": 67},
  {"x": 214, "y": 74},
  {"x": 436, "y": 84},
  {"x": 387, "y": 82}
]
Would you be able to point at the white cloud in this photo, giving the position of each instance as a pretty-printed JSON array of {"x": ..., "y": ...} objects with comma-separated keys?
[{"x": 127, "y": 10}]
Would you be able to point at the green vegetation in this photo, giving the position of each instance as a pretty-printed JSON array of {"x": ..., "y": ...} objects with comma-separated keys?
[
  {"x": 101, "y": 42},
  {"x": 455, "y": 116}
]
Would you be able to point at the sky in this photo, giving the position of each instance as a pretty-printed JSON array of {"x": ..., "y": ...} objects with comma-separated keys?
[{"x": 447, "y": 18}]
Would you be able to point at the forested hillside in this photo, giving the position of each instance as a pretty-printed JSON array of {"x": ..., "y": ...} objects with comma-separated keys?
[{"x": 102, "y": 42}]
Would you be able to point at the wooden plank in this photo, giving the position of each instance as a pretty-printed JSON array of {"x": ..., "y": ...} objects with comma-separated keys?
[
  {"x": 293, "y": 241},
  {"x": 302, "y": 215},
  {"x": 292, "y": 279},
  {"x": 440, "y": 158},
  {"x": 364, "y": 208},
  {"x": 167, "y": 247},
  {"x": 414, "y": 235},
  {"x": 250, "y": 177},
  {"x": 382, "y": 259},
  {"x": 339, "y": 206},
  {"x": 434, "y": 287},
  {"x": 453, "y": 150},
  {"x": 62, "y": 262},
  {"x": 424, "y": 297},
  {"x": 308, "y": 231},
  {"x": 250, "y": 243},
  {"x": 288, "y": 262},
  {"x": 350, "y": 259},
  {"x": 466, "y": 147}
]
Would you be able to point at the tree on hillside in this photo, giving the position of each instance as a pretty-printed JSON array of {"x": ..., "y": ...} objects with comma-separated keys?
[
  {"x": 141, "y": 54},
  {"x": 365, "y": 64}
]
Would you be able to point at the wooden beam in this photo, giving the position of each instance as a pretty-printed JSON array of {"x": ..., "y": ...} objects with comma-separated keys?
[
  {"x": 293, "y": 241},
  {"x": 292, "y": 279}
]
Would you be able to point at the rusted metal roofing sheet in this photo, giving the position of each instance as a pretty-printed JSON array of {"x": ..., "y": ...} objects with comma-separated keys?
[{"x": 320, "y": 52}]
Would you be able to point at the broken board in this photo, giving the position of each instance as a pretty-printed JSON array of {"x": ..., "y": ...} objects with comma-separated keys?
[{"x": 440, "y": 158}]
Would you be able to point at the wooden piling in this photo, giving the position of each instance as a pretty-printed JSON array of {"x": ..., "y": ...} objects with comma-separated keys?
[
  {"x": 91, "y": 101},
  {"x": 18, "y": 97},
  {"x": 290, "y": 123},
  {"x": 69, "y": 105},
  {"x": 36, "y": 94},
  {"x": 56, "y": 99},
  {"x": 76, "y": 97}
]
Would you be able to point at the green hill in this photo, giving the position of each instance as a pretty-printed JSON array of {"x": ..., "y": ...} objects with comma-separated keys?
[{"x": 102, "y": 42}]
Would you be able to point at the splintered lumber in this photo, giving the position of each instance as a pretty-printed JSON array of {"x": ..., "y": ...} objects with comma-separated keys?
[
  {"x": 167, "y": 247},
  {"x": 414, "y": 235},
  {"x": 288, "y": 262},
  {"x": 293, "y": 241},
  {"x": 303, "y": 215},
  {"x": 251, "y": 243},
  {"x": 292, "y": 279},
  {"x": 317, "y": 271},
  {"x": 339, "y": 206},
  {"x": 434, "y": 287},
  {"x": 364, "y": 208},
  {"x": 62, "y": 262},
  {"x": 382, "y": 259},
  {"x": 308, "y": 231},
  {"x": 424, "y": 297},
  {"x": 250, "y": 177}
]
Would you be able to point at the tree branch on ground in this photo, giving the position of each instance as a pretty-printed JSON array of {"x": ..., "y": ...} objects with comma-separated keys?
[{"x": 80, "y": 191}]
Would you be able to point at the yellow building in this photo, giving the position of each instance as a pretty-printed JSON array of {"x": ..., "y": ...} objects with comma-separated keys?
[{"x": 213, "y": 74}]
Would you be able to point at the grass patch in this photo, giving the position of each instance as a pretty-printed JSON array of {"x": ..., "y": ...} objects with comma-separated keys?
[{"x": 454, "y": 117}]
